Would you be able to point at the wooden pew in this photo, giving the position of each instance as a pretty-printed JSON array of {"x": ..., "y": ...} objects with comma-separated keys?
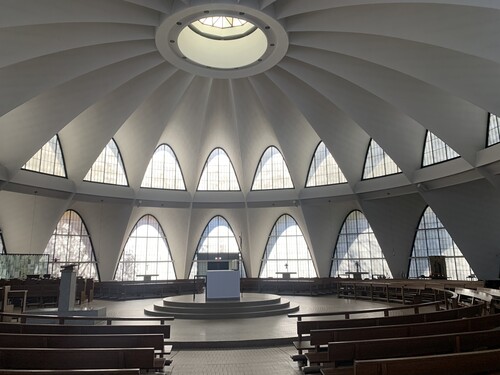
[
  {"x": 126, "y": 371},
  {"x": 155, "y": 341},
  {"x": 304, "y": 344},
  {"x": 93, "y": 358},
  {"x": 84, "y": 329},
  {"x": 346, "y": 352},
  {"x": 479, "y": 323},
  {"x": 305, "y": 327},
  {"x": 473, "y": 363}
]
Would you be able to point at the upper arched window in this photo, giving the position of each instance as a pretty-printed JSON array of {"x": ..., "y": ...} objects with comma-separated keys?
[
  {"x": 70, "y": 244},
  {"x": 324, "y": 169},
  {"x": 218, "y": 173},
  {"x": 493, "y": 130},
  {"x": 432, "y": 239},
  {"x": 357, "y": 252},
  {"x": 48, "y": 160},
  {"x": 272, "y": 172},
  {"x": 108, "y": 168},
  {"x": 378, "y": 163},
  {"x": 146, "y": 253},
  {"x": 217, "y": 249},
  {"x": 2, "y": 245},
  {"x": 287, "y": 251},
  {"x": 436, "y": 151},
  {"x": 163, "y": 171}
]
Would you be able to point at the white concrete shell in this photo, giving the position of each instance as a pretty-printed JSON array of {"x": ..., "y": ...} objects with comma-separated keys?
[{"x": 91, "y": 70}]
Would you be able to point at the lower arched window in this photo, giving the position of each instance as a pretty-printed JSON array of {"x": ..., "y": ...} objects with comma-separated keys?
[
  {"x": 70, "y": 244},
  {"x": 435, "y": 254},
  {"x": 287, "y": 251}
]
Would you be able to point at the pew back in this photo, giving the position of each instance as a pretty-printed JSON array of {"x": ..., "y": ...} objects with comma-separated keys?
[
  {"x": 472, "y": 363},
  {"x": 88, "y": 358},
  {"x": 480, "y": 323}
]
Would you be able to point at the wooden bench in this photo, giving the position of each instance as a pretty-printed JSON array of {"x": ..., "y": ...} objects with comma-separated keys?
[
  {"x": 305, "y": 327},
  {"x": 153, "y": 340},
  {"x": 84, "y": 329},
  {"x": 88, "y": 358},
  {"x": 127, "y": 371},
  {"x": 346, "y": 352},
  {"x": 473, "y": 363},
  {"x": 471, "y": 297},
  {"x": 304, "y": 344},
  {"x": 480, "y": 323}
]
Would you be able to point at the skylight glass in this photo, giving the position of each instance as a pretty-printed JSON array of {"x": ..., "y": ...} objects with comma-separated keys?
[
  {"x": 222, "y": 22},
  {"x": 163, "y": 171},
  {"x": 272, "y": 172},
  {"x": 493, "y": 130},
  {"x": 218, "y": 173},
  {"x": 436, "y": 151},
  {"x": 324, "y": 169},
  {"x": 108, "y": 168},
  {"x": 48, "y": 160},
  {"x": 378, "y": 163}
]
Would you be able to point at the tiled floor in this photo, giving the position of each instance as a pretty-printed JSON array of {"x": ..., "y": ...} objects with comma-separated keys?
[{"x": 259, "y": 359}]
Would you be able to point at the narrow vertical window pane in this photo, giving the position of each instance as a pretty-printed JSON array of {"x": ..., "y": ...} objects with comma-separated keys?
[
  {"x": 272, "y": 172},
  {"x": 358, "y": 250},
  {"x": 436, "y": 151},
  {"x": 2, "y": 245},
  {"x": 70, "y": 244},
  {"x": 432, "y": 239},
  {"x": 218, "y": 173},
  {"x": 324, "y": 169},
  {"x": 378, "y": 163},
  {"x": 287, "y": 251},
  {"x": 493, "y": 130},
  {"x": 163, "y": 171},
  {"x": 108, "y": 168},
  {"x": 146, "y": 253},
  {"x": 48, "y": 160},
  {"x": 217, "y": 249}
]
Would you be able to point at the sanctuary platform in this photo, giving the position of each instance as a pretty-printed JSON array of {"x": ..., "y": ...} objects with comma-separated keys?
[{"x": 250, "y": 305}]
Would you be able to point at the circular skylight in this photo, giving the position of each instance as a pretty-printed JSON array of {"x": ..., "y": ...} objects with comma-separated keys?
[{"x": 222, "y": 42}]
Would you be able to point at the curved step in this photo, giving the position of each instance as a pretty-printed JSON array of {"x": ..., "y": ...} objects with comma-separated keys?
[{"x": 250, "y": 305}]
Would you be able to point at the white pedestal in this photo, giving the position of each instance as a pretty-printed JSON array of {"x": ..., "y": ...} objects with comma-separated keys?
[
  {"x": 67, "y": 289},
  {"x": 223, "y": 284}
]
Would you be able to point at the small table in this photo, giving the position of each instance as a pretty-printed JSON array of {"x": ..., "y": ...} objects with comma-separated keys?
[
  {"x": 285, "y": 275},
  {"x": 148, "y": 277}
]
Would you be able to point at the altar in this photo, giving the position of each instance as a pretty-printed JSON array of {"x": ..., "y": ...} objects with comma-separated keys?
[{"x": 223, "y": 284}]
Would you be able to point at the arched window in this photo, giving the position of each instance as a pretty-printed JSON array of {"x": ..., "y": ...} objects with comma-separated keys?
[
  {"x": 163, "y": 171},
  {"x": 287, "y": 251},
  {"x": 146, "y": 253},
  {"x": 217, "y": 249},
  {"x": 378, "y": 163},
  {"x": 357, "y": 250},
  {"x": 272, "y": 172},
  {"x": 324, "y": 169},
  {"x": 436, "y": 151},
  {"x": 108, "y": 168},
  {"x": 493, "y": 130},
  {"x": 48, "y": 160},
  {"x": 218, "y": 173},
  {"x": 70, "y": 244},
  {"x": 432, "y": 239}
]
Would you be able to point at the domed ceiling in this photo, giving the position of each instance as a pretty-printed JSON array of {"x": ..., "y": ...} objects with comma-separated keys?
[{"x": 338, "y": 71}]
